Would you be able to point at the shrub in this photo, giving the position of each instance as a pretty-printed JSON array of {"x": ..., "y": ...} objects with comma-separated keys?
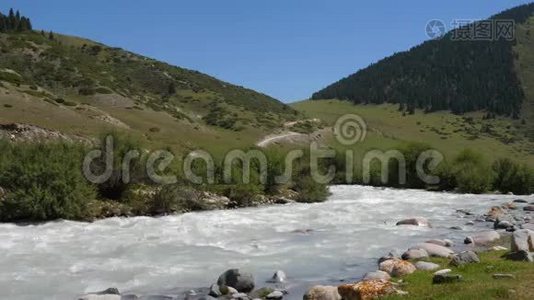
[
  {"x": 512, "y": 177},
  {"x": 175, "y": 198},
  {"x": 309, "y": 190},
  {"x": 44, "y": 181},
  {"x": 115, "y": 186},
  {"x": 472, "y": 173},
  {"x": 243, "y": 195}
]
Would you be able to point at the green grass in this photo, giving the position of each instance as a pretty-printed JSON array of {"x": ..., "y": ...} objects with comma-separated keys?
[
  {"x": 478, "y": 282},
  {"x": 450, "y": 134}
]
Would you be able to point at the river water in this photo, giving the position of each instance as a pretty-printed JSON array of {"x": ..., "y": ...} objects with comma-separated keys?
[{"x": 326, "y": 243}]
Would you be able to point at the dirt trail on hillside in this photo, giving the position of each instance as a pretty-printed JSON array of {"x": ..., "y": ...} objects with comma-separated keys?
[{"x": 291, "y": 137}]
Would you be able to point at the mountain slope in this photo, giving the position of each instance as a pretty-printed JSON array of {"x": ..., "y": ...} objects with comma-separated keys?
[
  {"x": 445, "y": 74},
  {"x": 82, "y": 87}
]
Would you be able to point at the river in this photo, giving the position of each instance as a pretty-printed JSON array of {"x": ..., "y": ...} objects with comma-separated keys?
[{"x": 326, "y": 243}]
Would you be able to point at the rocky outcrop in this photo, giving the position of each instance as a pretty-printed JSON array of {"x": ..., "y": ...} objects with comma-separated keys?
[
  {"x": 415, "y": 222},
  {"x": 528, "y": 208},
  {"x": 366, "y": 290},
  {"x": 243, "y": 282},
  {"x": 320, "y": 292}
]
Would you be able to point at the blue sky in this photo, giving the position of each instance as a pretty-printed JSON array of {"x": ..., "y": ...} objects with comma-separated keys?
[{"x": 285, "y": 48}]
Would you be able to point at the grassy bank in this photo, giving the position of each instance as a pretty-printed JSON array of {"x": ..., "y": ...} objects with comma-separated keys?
[{"x": 478, "y": 282}]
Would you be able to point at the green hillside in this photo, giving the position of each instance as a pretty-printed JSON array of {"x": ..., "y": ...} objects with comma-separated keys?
[
  {"x": 82, "y": 87},
  {"x": 447, "y": 74},
  {"x": 388, "y": 129}
]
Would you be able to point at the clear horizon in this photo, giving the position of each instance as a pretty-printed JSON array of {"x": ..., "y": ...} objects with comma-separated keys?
[{"x": 285, "y": 50}]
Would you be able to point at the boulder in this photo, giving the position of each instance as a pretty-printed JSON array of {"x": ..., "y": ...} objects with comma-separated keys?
[
  {"x": 261, "y": 293},
  {"x": 470, "y": 223},
  {"x": 240, "y": 296},
  {"x": 415, "y": 254},
  {"x": 415, "y": 222},
  {"x": 522, "y": 201},
  {"x": 494, "y": 213},
  {"x": 392, "y": 254},
  {"x": 109, "y": 294},
  {"x": 435, "y": 250},
  {"x": 320, "y": 292},
  {"x": 464, "y": 258},
  {"x": 366, "y": 290},
  {"x": 444, "y": 243},
  {"x": 446, "y": 278},
  {"x": 502, "y": 224},
  {"x": 528, "y": 208},
  {"x": 276, "y": 295},
  {"x": 211, "y": 201},
  {"x": 426, "y": 266},
  {"x": 397, "y": 267},
  {"x": 243, "y": 282},
  {"x": 441, "y": 272},
  {"x": 521, "y": 255},
  {"x": 483, "y": 238},
  {"x": 377, "y": 275},
  {"x": 278, "y": 277},
  {"x": 523, "y": 240}
]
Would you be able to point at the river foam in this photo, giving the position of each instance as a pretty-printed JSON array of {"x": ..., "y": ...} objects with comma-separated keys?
[{"x": 313, "y": 243}]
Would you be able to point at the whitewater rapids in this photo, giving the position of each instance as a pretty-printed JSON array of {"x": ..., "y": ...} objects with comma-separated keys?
[{"x": 326, "y": 243}]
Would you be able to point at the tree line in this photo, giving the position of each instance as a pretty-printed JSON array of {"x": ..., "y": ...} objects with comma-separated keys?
[
  {"x": 14, "y": 22},
  {"x": 444, "y": 74}
]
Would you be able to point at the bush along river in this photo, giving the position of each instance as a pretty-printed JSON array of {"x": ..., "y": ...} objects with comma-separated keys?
[{"x": 316, "y": 251}]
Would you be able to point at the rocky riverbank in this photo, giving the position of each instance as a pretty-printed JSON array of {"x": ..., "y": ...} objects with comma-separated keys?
[{"x": 512, "y": 235}]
